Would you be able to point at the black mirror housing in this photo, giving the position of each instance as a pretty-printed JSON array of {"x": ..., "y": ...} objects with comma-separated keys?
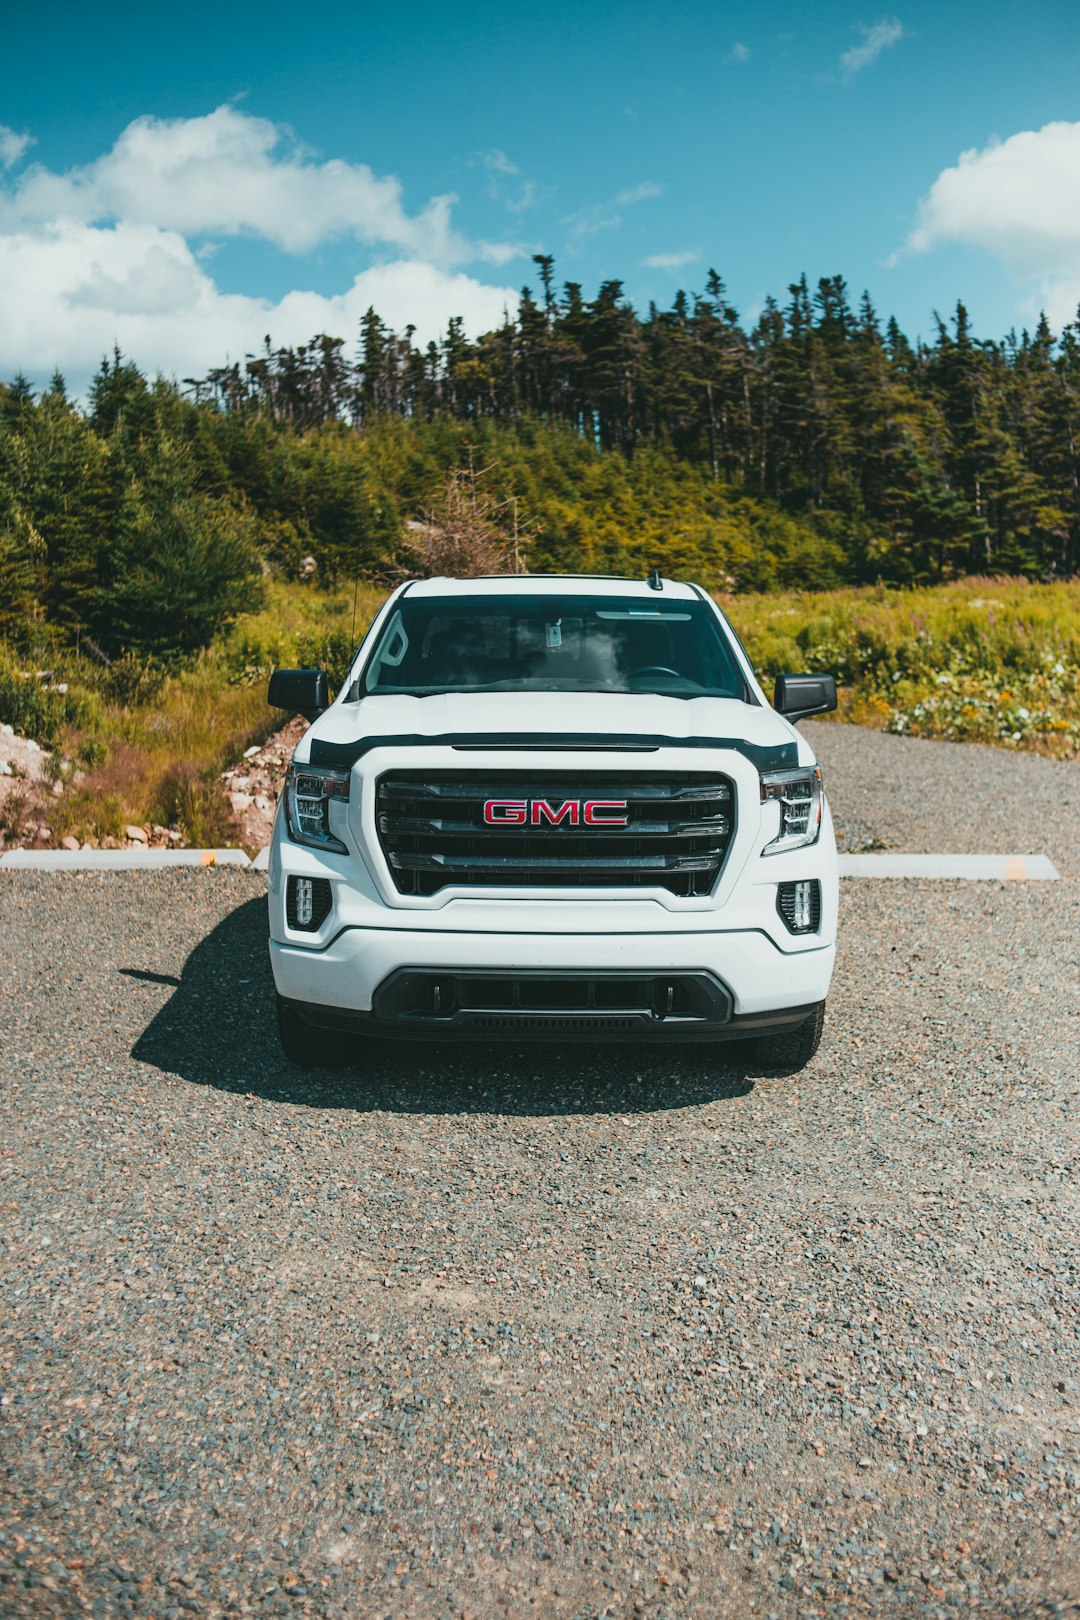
[
  {"x": 301, "y": 691},
  {"x": 797, "y": 696}
]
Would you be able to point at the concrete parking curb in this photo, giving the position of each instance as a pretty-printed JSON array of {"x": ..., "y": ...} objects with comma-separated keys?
[
  {"x": 119, "y": 860},
  {"x": 1003, "y": 868}
]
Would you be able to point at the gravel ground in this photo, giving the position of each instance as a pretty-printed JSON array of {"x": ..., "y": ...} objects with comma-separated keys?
[
  {"x": 910, "y": 794},
  {"x": 565, "y": 1332}
]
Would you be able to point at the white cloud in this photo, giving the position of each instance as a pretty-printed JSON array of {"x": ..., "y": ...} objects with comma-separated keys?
[
  {"x": 500, "y": 253},
  {"x": 607, "y": 216},
  {"x": 12, "y": 146},
  {"x": 119, "y": 251},
  {"x": 525, "y": 199},
  {"x": 499, "y": 170},
  {"x": 1018, "y": 199},
  {"x": 497, "y": 162},
  {"x": 670, "y": 261},
  {"x": 739, "y": 53},
  {"x": 226, "y": 174},
  {"x": 874, "y": 40},
  {"x": 69, "y": 291},
  {"x": 635, "y": 194}
]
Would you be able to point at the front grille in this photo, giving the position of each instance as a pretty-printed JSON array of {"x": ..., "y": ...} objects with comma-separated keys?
[
  {"x": 519, "y": 1023},
  {"x": 538, "y": 999},
  {"x": 432, "y": 831}
]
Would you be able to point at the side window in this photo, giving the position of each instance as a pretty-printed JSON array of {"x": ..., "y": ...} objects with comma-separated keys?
[{"x": 395, "y": 644}]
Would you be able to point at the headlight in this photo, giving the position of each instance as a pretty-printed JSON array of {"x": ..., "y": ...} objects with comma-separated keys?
[
  {"x": 308, "y": 792},
  {"x": 799, "y": 797}
]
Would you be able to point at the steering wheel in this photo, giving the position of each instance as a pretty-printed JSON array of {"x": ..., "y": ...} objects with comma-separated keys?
[{"x": 655, "y": 669}]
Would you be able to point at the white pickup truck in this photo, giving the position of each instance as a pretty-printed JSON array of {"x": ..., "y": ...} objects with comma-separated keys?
[{"x": 553, "y": 807}]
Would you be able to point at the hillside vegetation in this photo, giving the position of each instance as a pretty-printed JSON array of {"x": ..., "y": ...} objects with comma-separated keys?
[
  {"x": 832, "y": 483},
  {"x": 991, "y": 660}
]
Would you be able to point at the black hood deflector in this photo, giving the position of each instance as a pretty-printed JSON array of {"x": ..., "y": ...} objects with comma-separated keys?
[{"x": 766, "y": 756}]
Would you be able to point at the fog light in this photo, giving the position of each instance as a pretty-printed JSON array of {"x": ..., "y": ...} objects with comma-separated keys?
[
  {"x": 800, "y": 905},
  {"x": 307, "y": 903}
]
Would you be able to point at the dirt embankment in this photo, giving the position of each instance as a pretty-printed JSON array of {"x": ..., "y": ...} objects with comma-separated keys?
[
  {"x": 33, "y": 782},
  {"x": 253, "y": 786}
]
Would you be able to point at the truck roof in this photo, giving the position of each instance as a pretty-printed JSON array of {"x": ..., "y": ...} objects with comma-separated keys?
[{"x": 551, "y": 585}]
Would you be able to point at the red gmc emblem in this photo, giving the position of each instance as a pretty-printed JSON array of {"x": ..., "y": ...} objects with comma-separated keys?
[{"x": 541, "y": 812}]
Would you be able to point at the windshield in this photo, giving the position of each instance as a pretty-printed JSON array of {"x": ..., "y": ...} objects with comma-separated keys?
[{"x": 546, "y": 643}]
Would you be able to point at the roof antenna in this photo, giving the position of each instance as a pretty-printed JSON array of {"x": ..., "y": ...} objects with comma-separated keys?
[{"x": 654, "y": 582}]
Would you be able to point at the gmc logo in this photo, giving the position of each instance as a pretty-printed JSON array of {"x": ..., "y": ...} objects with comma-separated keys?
[{"x": 570, "y": 813}]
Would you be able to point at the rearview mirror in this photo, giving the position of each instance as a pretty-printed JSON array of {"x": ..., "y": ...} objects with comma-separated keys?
[
  {"x": 301, "y": 691},
  {"x": 796, "y": 696}
]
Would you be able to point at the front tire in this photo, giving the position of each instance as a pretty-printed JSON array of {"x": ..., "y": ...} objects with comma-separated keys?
[
  {"x": 304, "y": 1044},
  {"x": 791, "y": 1049}
]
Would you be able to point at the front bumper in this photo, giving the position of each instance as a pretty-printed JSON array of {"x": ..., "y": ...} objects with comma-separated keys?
[
  {"x": 758, "y": 986},
  {"x": 547, "y": 1019}
]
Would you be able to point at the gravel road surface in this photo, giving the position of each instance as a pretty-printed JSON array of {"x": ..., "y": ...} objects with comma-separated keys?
[
  {"x": 556, "y": 1331},
  {"x": 906, "y": 793}
]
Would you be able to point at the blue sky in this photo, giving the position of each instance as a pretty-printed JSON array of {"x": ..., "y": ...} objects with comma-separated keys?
[{"x": 180, "y": 180}]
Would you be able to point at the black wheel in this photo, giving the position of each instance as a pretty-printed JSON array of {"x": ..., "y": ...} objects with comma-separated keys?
[
  {"x": 791, "y": 1049},
  {"x": 304, "y": 1044}
]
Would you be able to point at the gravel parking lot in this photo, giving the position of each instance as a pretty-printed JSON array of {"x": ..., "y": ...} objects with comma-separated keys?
[{"x": 555, "y": 1331}]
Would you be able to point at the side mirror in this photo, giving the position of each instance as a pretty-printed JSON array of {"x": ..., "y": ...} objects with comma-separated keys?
[
  {"x": 796, "y": 696},
  {"x": 301, "y": 691}
]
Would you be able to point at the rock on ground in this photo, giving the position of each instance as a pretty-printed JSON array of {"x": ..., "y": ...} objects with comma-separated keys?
[
  {"x": 24, "y": 787},
  {"x": 254, "y": 784}
]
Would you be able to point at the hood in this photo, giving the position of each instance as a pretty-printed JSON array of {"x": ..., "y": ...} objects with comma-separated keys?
[{"x": 347, "y": 731}]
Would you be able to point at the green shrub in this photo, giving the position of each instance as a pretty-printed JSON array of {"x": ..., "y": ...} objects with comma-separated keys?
[
  {"x": 36, "y": 708},
  {"x": 332, "y": 650},
  {"x": 130, "y": 680}
]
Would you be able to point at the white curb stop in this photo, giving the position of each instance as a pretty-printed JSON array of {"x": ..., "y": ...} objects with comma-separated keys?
[
  {"x": 1000, "y": 868},
  {"x": 119, "y": 860}
]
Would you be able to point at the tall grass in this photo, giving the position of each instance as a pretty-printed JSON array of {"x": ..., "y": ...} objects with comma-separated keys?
[{"x": 986, "y": 660}]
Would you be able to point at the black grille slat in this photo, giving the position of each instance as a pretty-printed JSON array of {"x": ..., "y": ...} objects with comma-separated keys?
[
  {"x": 425, "y": 999},
  {"x": 432, "y": 831},
  {"x": 567, "y": 1021},
  {"x": 547, "y": 864}
]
